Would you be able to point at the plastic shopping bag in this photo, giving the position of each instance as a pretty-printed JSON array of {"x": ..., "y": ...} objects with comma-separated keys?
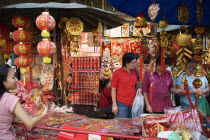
[
  {"x": 138, "y": 105},
  {"x": 203, "y": 105}
]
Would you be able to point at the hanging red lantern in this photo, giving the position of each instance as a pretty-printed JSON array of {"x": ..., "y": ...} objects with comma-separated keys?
[
  {"x": 20, "y": 21},
  {"x": 21, "y": 35},
  {"x": 22, "y": 49},
  {"x": 46, "y": 23},
  {"x": 46, "y": 48},
  {"x": 22, "y": 62},
  {"x": 4, "y": 29},
  {"x": 8, "y": 47}
]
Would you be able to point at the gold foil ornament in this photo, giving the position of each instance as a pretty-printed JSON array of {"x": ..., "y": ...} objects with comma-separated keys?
[
  {"x": 197, "y": 83},
  {"x": 198, "y": 72},
  {"x": 163, "y": 23},
  {"x": 183, "y": 13},
  {"x": 183, "y": 39}
]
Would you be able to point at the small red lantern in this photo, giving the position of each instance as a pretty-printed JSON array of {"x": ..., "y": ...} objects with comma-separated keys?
[
  {"x": 197, "y": 83},
  {"x": 21, "y": 35},
  {"x": 20, "y": 21},
  {"x": 22, "y": 62},
  {"x": 22, "y": 49},
  {"x": 4, "y": 29},
  {"x": 46, "y": 48},
  {"x": 46, "y": 23}
]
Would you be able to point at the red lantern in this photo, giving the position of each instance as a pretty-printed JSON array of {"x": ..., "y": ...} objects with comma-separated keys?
[
  {"x": 20, "y": 21},
  {"x": 22, "y": 61},
  {"x": 46, "y": 48},
  {"x": 22, "y": 49},
  {"x": 45, "y": 21},
  {"x": 4, "y": 29},
  {"x": 21, "y": 36}
]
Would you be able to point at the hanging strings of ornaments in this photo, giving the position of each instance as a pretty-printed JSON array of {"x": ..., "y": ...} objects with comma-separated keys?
[
  {"x": 141, "y": 23},
  {"x": 153, "y": 44},
  {"x": 183, "y": 40},
  {"x": 75, "y": 27},
  {"x": 164, "y": 41},
  {"x": 46, "y": 47},
  {"x": 22, "y": 49}
]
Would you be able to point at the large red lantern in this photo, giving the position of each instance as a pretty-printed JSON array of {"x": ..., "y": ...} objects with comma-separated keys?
[
  {"x": 22, "y": 49},
  {"x": 4, "y": 29},
  {"x": 46, "y": 48},
  {"x": 20, "y": 21},
  {"x": 21, "y": 36},
  {"x": 46, "y": 23}
]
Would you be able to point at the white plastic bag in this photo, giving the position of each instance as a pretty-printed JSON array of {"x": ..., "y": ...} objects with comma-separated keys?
[{"x": 138, "y": 105}]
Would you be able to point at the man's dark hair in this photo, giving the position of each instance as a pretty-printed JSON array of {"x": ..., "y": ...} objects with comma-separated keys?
[{"x": 167, "y": 60}]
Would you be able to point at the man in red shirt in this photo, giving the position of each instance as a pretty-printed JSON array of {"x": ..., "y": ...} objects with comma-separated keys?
[{"x": 123, "y": 87}]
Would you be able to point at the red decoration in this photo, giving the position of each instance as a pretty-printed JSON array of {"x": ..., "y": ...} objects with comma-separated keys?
[
  {"x": 150, "y": 92},
  {"x": 45, "y": 21},
  {"x": 141, "y": 62},
  {"x": 4, "y": 29},
  {"x": 21, "y": 36},
  {"x": 22, "y": 49},
  {"x": 20, "y": 21},
  {"x": 190, "y": 101},
  {"x": 46, "y": 48},
  {"x": 22, "y": 61},
  {"x": 9, "y": 44}
]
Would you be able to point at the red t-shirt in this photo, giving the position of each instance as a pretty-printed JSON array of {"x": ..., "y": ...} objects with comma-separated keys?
[
  {"x": 125, "y": 84},
  {"x": 105, "y": 97}
]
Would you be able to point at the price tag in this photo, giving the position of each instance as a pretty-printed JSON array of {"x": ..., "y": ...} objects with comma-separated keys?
[{"x": 94, "y": 137}]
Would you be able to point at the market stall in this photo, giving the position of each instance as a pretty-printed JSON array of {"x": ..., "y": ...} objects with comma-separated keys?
[{"x": 64, "y": 62}]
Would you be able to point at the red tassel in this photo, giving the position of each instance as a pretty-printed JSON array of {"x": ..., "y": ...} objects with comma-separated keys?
[
  {"x": 150, "y": 93},
  {"x": 163, "y": 61},
  {"x": 189, "y": 99},
  {"x": 76, "y": 71},
  {"x": 141, "y": 63}
]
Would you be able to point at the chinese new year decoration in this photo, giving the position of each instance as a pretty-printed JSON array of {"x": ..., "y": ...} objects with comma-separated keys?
[
  {"x": 75, "y": 27},
  {"x": 46, "y": 48},
  {"x": 22, "y": 49},
  {"x": 46, "y": 23},
  {"x": 5, "y": 42}
]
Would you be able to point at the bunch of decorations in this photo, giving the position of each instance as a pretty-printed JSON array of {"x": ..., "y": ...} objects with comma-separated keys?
[
  {"x": 22, "y": 49},
  {"x": 46, "y": 47}
]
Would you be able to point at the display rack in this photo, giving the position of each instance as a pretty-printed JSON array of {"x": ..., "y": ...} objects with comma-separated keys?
[{"x": 85, "y": 85}]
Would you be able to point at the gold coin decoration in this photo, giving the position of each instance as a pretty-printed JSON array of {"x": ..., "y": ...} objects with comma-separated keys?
[{"x": 74, "y": 26}]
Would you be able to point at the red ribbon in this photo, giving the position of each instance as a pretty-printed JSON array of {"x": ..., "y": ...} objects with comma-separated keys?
[
  {"x": 163, "y": 61},
  {"x": 141, "y": 62},
  {"x": 150, "y": 93},
  {"x": 75, "y": 71}
]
